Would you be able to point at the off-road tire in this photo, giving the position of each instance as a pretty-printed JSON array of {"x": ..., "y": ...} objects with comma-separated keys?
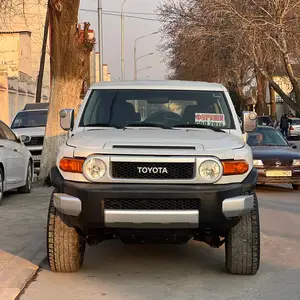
[
  {"x": 296, "y": 187},
  {"x": 26, "y": 189},
  {"x": 242, "y": 245},
  {"x": 1, "y": 185},
  {"x": 65, "y": 246}
]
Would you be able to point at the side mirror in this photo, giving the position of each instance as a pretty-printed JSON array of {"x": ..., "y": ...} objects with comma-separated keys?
[
  {"x": 66, "y": 119},
  {"x": 294, "y": 146},
  {"x": 25, "y": 139},
  {"x": 249, "y": 121}
]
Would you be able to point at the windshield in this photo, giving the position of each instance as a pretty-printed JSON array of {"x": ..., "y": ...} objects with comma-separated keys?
[
  {"x": 295, "y": 121},
  {"x": 266, "y": 137},
  {"x": 26, "y": 119},
  {"x": 157, "y": 107}
]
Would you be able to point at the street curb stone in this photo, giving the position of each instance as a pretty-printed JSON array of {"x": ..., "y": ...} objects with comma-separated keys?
[{"x": 17, "y": 270}]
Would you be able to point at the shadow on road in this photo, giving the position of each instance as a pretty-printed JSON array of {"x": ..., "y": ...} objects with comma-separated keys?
[{"x": 192, "y": 271}]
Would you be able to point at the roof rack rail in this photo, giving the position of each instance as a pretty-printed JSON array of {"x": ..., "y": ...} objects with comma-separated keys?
[{"x": 32, "y": 106}]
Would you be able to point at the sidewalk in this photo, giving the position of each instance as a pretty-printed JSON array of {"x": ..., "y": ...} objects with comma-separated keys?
[{"x": 22, "y": 239}]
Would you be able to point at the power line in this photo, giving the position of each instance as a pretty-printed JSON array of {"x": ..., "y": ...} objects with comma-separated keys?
[
  {"x": 119, "y": 15},
  {"x": 132, "y": 17},
  {"x": 117, "y": 12}
]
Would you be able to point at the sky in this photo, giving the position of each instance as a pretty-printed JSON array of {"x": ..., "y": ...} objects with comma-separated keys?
[{"x": 133, "y": 28}]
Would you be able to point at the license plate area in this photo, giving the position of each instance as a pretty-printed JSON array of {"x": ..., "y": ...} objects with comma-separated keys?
[
  {"x": 278, "y": 173},
  {"x": 36, "y": 157}
]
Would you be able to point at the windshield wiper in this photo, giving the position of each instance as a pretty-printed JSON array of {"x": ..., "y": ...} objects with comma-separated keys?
[
  {"x": 147, "y": 125},
  {"x": 104, "y": 125},
  {"x": 198, "y": 126}
]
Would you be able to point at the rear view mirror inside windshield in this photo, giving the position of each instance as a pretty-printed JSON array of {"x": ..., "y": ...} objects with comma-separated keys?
[{"x": 158, "y": 100}]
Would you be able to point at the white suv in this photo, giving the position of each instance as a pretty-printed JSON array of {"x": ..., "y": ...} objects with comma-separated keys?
[
  {"x": 31, "y": 121},
  {"x": 150, "y": 162}
]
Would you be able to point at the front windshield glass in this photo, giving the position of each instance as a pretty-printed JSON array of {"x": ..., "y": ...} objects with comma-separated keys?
[
  {"x": 26, "y": 119},
  {"x": 158, "y": 108},
  {"x": 266, "y": 137}
]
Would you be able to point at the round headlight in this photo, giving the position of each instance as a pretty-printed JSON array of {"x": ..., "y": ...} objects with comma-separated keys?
[
  {"x": 94, "y": 168},
  {"x": 210, "y": 170}
]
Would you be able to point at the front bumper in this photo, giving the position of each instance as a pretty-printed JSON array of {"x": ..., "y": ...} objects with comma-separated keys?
[
  {"x": 36, "y": 153},
  {"x": 86, "y": 203}
]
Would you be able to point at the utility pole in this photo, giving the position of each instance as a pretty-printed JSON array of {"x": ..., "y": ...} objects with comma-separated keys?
[
  {"x": 122, "y": 42},
  {"x": 100, "y": 38},
  {"x": 134, "y": 61},
  {"x": 39, "y": 85}
]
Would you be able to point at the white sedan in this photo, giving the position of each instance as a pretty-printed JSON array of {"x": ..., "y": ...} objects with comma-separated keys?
[{"x": 16, "y": 164}]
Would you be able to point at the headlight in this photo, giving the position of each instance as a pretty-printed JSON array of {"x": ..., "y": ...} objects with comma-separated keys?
[
  {"x": 94, "y": 168},
  {"x": 210, "y": 170},
  {"x": 257, "y": 163},
  {"x": 296, "y": 162}
]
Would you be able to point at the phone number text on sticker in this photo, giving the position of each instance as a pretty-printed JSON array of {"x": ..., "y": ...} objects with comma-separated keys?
[{"x": 210, "y": 119}]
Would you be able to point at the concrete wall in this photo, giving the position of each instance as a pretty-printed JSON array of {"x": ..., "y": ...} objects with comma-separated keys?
[
  {"x": 25, "y": 53},
  {"x": 15, "y": 53},
  {"x": 4, "y": 103},
  {"x": 9, "y": 54},
  {"x": 14, "y": 94}
]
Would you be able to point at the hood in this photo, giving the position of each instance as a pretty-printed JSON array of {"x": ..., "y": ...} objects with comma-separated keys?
[
  {"x": 30, "y": 131},
  {"x": 269, "y": 152},
  {"x": 200, "y": 139}
]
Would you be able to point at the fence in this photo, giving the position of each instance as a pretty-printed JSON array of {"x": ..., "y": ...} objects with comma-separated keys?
[{"x": 14, "y": 94}]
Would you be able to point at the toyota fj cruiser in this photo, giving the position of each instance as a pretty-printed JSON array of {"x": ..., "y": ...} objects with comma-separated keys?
[{"x": 155, "y": 162}]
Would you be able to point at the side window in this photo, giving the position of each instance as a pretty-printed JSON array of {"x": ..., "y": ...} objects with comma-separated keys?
[{"x": 8, "y": 134}]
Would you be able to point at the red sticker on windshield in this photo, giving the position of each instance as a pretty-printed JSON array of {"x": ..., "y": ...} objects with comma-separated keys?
[{"x": 210, "y": 119}]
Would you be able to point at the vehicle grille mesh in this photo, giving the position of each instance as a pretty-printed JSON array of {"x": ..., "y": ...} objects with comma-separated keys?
[
  {"x": 147, "y": 170},
  {"x": 150, "y": 204}
]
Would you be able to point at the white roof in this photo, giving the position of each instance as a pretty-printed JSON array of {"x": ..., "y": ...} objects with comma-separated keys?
[{"x": 160, "y": 84}]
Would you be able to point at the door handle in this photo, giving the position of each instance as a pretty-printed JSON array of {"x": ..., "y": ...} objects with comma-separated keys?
[
  {"x": 1, "y": 146},
  {"x": 15, "y": 150}
]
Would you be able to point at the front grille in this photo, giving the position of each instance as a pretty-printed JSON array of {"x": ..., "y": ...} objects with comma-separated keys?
[
  {"x": 149, "y": 204},
  {"x": 147, "y": 170},
  {"x": 274, "y": 163},
  {"x": 36, "y": 141}
]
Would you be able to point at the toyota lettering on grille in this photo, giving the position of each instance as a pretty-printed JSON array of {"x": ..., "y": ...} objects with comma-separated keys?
[{"x": 152, "y": 170}]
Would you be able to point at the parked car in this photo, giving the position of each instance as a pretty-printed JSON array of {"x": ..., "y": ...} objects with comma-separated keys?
[
  {"x": 134, "y": 170},
  {"x": 294, "y": 131},
  {"x": 16, "y": 164},
  {"x": 264, "y": 120},
  {"x": 31, "y": 121},
  {"x": 274, "y": 157}
]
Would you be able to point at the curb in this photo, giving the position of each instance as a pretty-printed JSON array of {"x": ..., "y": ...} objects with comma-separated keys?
[{"x": 17, "y": 270}]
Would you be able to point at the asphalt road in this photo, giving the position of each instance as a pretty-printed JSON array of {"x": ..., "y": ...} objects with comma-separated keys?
[{"x": 114, "y": 271}]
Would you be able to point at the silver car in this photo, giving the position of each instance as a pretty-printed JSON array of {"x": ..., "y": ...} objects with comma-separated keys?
[{"x": 295, "y": 128}]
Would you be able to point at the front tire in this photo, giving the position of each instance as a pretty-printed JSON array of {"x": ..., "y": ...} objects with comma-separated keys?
[
  {"x": 296, "y": 187},
  {"x": 242, "y": 245},
  {"x": 26, "y": 189},
  {"x": 65, "y": 246}
]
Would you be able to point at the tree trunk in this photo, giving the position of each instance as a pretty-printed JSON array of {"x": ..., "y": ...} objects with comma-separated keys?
[
  {"x": 273, "y": 103},
  {"x": 70, "y": 49},
  {"x": 65, "y": 94},
  {"x": 261, "y": 94}
]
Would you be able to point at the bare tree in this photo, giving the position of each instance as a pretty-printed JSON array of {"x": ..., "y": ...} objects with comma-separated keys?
[
  {"x": 262, "y": 33},
  {"x": 197, "y": 51}
]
